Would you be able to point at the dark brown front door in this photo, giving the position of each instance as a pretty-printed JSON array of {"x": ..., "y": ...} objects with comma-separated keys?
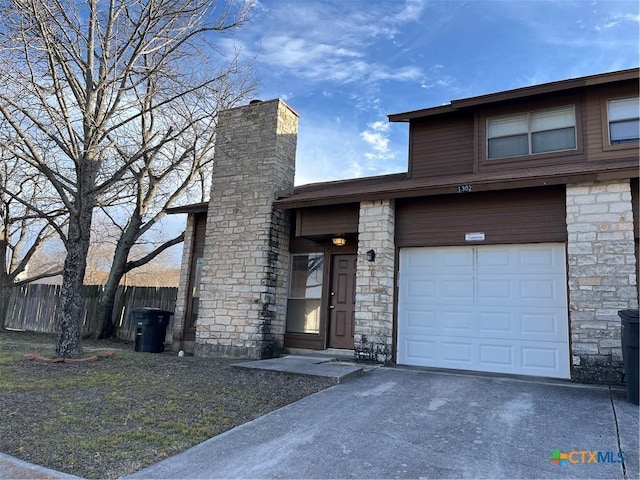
[{"x": 342, "y": 301}]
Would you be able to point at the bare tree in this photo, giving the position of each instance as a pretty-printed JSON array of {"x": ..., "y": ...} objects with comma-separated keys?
[
  {"x": 162, "y": 178},
  {"x": 80, "y": 82},
  {"x": 23, "y": 230}
]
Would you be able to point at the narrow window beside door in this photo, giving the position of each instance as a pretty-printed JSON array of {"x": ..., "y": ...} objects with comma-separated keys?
[{"x": 305, "y": 293}]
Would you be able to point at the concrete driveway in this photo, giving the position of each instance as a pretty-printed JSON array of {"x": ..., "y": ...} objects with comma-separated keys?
[{"x": 403, "y": 423}]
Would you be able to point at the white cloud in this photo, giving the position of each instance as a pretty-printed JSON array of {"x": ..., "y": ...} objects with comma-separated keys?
[
  {"x": 331, "y": 41},
  {"x": 411, "y": 12},
  {"x": 334, "y": 149},
  {"x": 321, "y": 62},
  {"x": 376, "y": 137}
]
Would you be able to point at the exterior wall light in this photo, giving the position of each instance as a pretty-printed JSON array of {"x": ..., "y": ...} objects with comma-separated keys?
[
  {"x": 339, "y": 241},
  {"x": 371, "y": 255}
]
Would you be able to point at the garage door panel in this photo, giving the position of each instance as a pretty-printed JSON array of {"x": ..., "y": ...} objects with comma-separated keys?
[
  {"x": 457, "y": 352},
  {"x": 544, "y": 325},
  {"x": 496, "y": 259},
  {"x": 499, "y": 356},
  {"x": 532, "y": 259},
  {"x": 541, "y": 289},
  {"x": 419, "y": 351},
  {"x": 420, "y": 289},
  {"x": 545, "y": 360},
  {"x": 524, "y": 358},
  {"x": 440, "y": 290},
  {"x": 454, "y": 290},
  {"x": 503, "y": 310},
  {"x": 541, "y": 258},
  {"x": 421, "y": 320},
  {"x": 454, "y": 260},
  {"x": 490, "y": 289},
  {"x": 496, "y": 324},
  {"x": 538, "y": 325},
  {"x": 520, "y": 290},
  {"x": 459, "y": 321}
]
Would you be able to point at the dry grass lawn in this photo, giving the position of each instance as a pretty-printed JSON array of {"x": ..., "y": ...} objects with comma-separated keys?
[{"x": 115, "y": 416}]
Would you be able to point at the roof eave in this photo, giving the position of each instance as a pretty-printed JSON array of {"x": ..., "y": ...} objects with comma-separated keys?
[
  {"x": 424, "y": 187},
  {"x": 192, "y": 208},
  {"x": 552, "y": 87}
]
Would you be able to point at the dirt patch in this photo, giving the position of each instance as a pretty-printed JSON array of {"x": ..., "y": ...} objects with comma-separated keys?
[{"x": 111, "y": 417}]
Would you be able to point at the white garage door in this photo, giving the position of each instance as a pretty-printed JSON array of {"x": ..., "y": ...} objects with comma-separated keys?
[{"x": 499, "y": 308}]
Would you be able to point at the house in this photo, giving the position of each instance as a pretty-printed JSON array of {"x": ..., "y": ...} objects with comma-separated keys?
[{"x": 509, "y": 245}]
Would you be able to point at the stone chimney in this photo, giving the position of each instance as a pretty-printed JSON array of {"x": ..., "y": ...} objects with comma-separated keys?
[{"x": 246, "y": 257}]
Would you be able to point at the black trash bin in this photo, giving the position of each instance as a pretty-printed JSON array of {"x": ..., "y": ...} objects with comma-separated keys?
[
  {"x": 151, "y": 329},
  {"x": 630, "y": 352}
]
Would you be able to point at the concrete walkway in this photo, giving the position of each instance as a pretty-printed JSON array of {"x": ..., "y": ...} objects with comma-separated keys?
[{"x": 402, "y": 423}]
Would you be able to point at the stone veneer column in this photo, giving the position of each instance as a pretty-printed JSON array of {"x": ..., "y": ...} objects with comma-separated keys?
[
  {"x": 373, "y": 335},
  {"x": 602, "y": 275},
  {"x": 183, "y": 285},
  {"x": 244, "y": 286}
]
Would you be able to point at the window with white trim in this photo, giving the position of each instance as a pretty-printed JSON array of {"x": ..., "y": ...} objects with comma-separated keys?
[
  {"x": 624, "y": 120},
  {"x": 540, "y": 131}
]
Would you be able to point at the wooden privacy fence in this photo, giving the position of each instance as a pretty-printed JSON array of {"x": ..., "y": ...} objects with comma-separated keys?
[{"x": 34, "y": 307}]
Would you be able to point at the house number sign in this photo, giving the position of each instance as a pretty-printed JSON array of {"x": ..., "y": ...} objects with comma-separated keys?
[{"x": 465, "y": 188}]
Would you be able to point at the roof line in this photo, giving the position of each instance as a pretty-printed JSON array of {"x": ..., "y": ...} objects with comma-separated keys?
[{"x": 568, "y": 84}]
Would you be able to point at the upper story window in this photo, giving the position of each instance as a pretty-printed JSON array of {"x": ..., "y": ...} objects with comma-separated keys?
[
  {"x": 624, "y": 120},
  {"x": 539, "y": 131}
]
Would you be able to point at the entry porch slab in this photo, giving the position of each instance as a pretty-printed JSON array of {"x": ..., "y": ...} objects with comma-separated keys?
[{"x": 316, "y": 366}]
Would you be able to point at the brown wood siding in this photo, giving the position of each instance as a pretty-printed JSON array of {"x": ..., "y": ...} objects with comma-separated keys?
[
  {"x": 320, "y": 243},
  {"x": 328, "y": 220},
  {"x": 200, "y": 227},
  {"x": 512, "y": 216},
  {"x": 311, "y": 342},
  {"x": 441, "y": 146},
  {"x": 596, "y": 128}
]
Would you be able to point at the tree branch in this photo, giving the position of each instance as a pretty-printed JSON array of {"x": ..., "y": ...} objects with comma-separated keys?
[{"x": 147, "y": 258}]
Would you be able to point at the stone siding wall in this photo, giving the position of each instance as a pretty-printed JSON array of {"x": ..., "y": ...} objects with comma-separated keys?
[
  {"x": 373, "y": 337},
  {"x": 246, "y": 260},
  {"x": 602, "y": 276},
  {"x": 183, "y": 285}
]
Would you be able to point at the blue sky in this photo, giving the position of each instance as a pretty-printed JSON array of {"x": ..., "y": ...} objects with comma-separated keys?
[{"x": 345, "y": 65}]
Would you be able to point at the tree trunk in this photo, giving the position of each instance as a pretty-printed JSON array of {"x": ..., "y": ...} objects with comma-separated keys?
[
  {"x": 106, "y": 301},
  {"x": 4, "y": 300},
  {"x": 71, "y": 299},
  {"x": 5, "y": 281},
  {"x": 118, "y": 269}
]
